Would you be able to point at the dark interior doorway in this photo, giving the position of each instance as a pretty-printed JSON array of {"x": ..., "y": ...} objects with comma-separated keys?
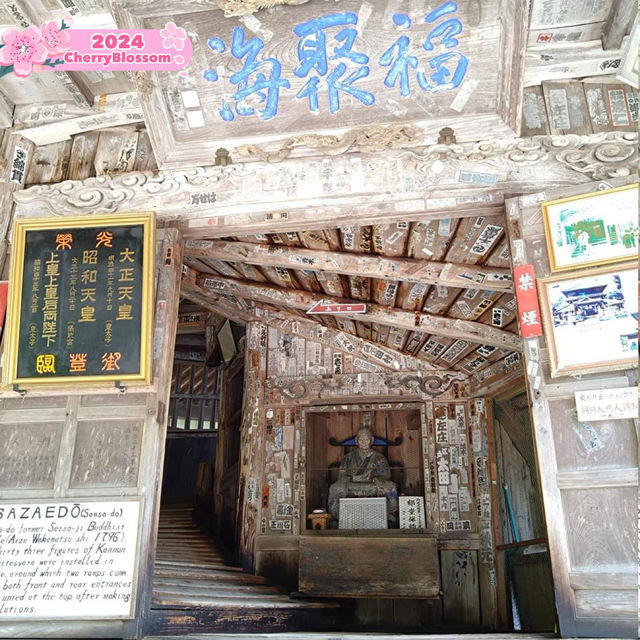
[
  {"x": 522, "y": 549},
  {"x": 192, "y": 432}
]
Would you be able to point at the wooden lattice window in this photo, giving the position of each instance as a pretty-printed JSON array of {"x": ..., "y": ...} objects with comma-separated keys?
[{"x": 195, "y": 393}]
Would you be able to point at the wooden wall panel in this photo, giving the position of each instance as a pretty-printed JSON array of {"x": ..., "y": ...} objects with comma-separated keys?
[
  {"x": 588, "y": 470},
  {"x": 461, "y": 588},
  {"x": 59, "y": 445}
]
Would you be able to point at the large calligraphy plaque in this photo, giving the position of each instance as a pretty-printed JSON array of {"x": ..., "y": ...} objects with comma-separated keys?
[
  {"x": 355, "y": 70},
  {"x": 80, "y": 301}
]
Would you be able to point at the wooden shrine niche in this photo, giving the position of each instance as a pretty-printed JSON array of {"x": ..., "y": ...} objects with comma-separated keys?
[
  {"x": 319, "y": 76},
  {"x": 398, "y": 437}
]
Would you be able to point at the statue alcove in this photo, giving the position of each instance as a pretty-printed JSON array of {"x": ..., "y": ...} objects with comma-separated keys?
[{"x": 329, "y": 437}]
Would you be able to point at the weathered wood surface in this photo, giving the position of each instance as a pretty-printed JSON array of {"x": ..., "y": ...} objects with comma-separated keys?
[
  {"x": 423, "y": 322},
  {"x": 397, "y": 566},
  {"x": 350, "y": 347},
  {"x": 618, "y": 23},
  {"x": 588, "y": 471},
  {"x": 459, "y": 570},
  {"x": 199, "y": 587},
  {"x": 6, "y": 111},
  {"x": 187, "y": 125},
  {"x": 361, "y": 636},
  {"x": 361, "y": 188},
  {"x": 557, "y": 62},
  {"x": 81, "y": 455},
  {"x": 405, "y": 270}
]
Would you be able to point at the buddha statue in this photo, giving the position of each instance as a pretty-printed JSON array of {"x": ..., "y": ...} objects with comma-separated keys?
[{"x": 364, "y": 473}]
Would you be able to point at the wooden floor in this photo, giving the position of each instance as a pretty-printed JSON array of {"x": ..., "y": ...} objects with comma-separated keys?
[
  {"x": 359, "y": 636},
  {"x": 196, "y": 588}
]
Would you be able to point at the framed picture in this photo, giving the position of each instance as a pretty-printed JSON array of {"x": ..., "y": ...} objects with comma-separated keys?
[
  {"x": 80, "y": 300},
  {"x": 592, "y": 229},
  {"x": 591, "y": 319}
]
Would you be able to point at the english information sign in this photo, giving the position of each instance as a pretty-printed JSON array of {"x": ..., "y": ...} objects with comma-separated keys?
[
  {"x": 80, "y": 299},
  {"x": 68, "y": 559}
]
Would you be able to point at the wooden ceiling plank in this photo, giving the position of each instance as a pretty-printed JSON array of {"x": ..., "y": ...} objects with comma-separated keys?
[
  {"x": 475, "y": 239},
  {"x": 473, "y": 331},
  {"x": 83, "y": 152},
  {"x": 396, "y": 269}
]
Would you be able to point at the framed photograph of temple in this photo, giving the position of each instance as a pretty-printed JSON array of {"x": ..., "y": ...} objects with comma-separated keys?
[
  {"x": 591, "y": 320},
  {"x": 592, "y": 229},
  {"x": 80, "y": 296}
]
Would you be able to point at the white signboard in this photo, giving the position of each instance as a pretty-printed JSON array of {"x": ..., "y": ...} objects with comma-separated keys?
[
  {"x": 68, "y": 559},
  {"x": 411, "y": 512},
  {"x": 607, "y": 404}
]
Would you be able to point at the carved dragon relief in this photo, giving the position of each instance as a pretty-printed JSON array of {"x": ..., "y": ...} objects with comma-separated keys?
[
  {"x": 312, "y": 388},
  {"x": 233, "y": 8},
  {"x": 599, "y": 156},
  {"x": 375, "y": 138}
]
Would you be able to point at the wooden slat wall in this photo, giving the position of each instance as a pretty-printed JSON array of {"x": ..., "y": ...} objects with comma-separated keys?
[
  {"x": 69, "y": 427},
  {"x": 590, "y": 492},
  {"x": 93, "y": 153}
]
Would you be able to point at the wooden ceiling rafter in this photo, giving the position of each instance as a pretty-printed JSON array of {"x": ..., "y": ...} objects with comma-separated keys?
[
  {"x": 468, "y": 330},
  {"x": 405, "y": 241},
  {"x": 259, "y": 312},
  {"x": 362, "y": 265}
]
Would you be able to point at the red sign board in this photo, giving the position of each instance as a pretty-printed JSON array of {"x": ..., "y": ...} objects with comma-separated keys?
[
  {"x": 4, "y": 290},
  {"x": 322, "y": 307},
  {"x": 529, "y": 320}
]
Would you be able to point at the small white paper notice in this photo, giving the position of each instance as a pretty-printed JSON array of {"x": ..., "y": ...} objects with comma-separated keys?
[{"x": 607, "y": 404}]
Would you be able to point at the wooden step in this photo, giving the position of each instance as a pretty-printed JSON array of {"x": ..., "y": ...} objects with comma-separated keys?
[
  {"x": 213, "y": 575},
  {"x": 218, "y": 567},
  {"x": 193, "y": 595},
  {"x": 247, "y": 620},
  {"x": 358, "y": 636},
  {"x": 167, "y": 584}
]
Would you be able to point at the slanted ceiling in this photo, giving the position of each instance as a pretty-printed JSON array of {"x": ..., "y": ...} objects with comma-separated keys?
[{"x": 438, "y": 290}]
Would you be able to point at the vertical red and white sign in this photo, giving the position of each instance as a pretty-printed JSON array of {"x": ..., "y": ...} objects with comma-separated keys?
[
  {"x": 4, "y": 292},
  {"x": 529, "y": 320}
]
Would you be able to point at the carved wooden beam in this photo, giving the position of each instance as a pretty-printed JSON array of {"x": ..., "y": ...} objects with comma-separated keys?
[
  {"x": 396, "y": 269},
  {"x": 413, "y": 321},
  {"x": 409, "y": 386},
  {"x": 243, "y": 7},
  {"x": 354, "y": 189},
  {"x": 365, "y": 350}
]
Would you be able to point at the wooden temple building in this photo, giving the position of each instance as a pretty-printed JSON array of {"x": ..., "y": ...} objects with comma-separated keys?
[{"x": 403, "y": 226}]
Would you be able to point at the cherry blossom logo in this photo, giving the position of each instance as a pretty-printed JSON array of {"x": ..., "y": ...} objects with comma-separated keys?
[
  {"x": 173, "y": 37},
  {"x": 33, "y": 48}
]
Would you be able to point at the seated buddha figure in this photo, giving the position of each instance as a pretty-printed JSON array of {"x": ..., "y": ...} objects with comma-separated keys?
[{"x": 364, "y": 473}]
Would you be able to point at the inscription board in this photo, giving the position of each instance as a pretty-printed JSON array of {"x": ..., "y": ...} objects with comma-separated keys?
[
  {"x": 29, "y": 455},
  {"x": 80, "y": 299},
  {"x": 68, "y": 559},
  {"x": 363, "y": 513},
  {"x": 107, "y": 454},
  {"x": 324, "y": 67}
]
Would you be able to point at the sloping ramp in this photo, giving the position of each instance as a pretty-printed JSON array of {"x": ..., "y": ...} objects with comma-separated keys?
[{"x": 196, "y": 590}]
